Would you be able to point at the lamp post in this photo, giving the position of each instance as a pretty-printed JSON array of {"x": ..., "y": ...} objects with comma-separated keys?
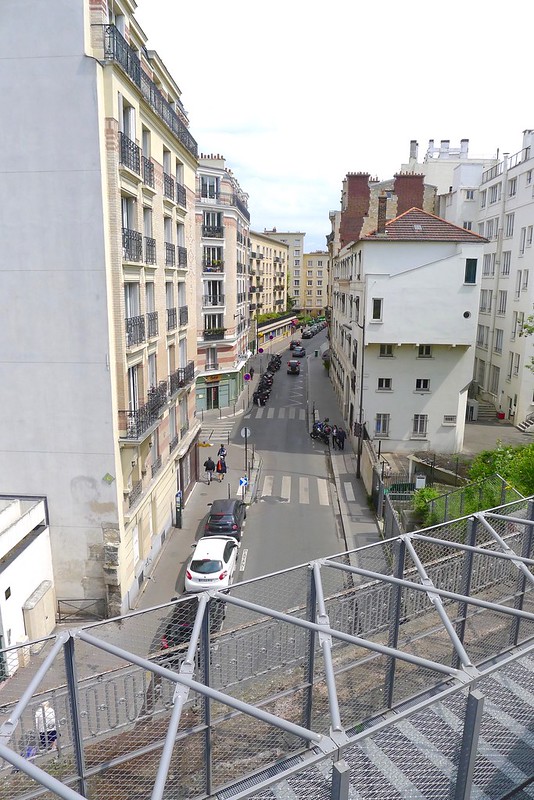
[{"x": 360, "y": 412}]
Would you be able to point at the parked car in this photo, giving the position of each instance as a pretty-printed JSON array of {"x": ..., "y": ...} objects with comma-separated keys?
[
  {"x": 294, "y": 343},
  {"x": 226, "y": 517},
  {"x": 299, "y": 352},
  {"x": 307, "y": 334},
  {"x": 212, "y": 564},
  {"x": 174, "y": 631},
  {"x": 293, "y": 367}
]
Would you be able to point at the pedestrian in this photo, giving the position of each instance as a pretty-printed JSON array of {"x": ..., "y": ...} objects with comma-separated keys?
[
  {"x": 45, "y": 722},
  {"x": 341, "y": 436},
  {"x": 221, "y": 452},
  {"x": 334, "y": 437},
  {"x": 251, "y": 372},
  {"x": 209, "y": 466},
  {"x": 221, "y": 469}
]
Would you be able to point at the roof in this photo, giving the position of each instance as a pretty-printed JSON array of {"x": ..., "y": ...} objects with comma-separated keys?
[{"x": 418, "y": 225}]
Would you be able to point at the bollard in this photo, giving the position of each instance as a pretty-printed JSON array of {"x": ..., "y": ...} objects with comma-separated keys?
[{"x": 316, "y": 353}]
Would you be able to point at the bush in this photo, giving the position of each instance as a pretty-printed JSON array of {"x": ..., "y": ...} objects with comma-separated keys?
[{"x": 423, "y": 511}]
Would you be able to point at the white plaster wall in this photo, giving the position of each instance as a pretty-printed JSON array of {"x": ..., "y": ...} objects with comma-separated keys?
[{"x": 54, "y": 373}]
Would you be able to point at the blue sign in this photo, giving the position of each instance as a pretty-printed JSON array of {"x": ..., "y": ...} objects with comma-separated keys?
[
  {"x": 243, "y": 481},
  {"x": 179, "y": 495}
]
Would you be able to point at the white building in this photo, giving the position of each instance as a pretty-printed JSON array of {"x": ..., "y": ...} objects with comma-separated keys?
[
  {"x": 27, "y": 596},
  {"x": 406, "y": 297}
]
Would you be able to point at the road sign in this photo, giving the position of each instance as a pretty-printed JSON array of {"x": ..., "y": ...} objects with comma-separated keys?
[
  {"x": 245, "y": 433},
  {"x": 243, "y": 481},
  {"x": 179, "y": 495},
  {"x": 246, "y": 376},
  {"x": 271, "y": 336},
  {"x": 260, "y": 349}
]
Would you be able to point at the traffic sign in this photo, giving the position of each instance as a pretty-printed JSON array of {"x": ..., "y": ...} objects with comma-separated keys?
[
  {"x": 246, "y": 376},
  {"x": 178, "y": 494},
  {"x": 243, "y": 481},
  {"x": 271, "y": 336},
  {"x": 245, "y": 433},
  {"x": 260, "y": 349}
]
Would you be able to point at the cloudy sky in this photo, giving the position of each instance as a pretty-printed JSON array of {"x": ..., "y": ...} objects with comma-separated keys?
[{"x": 295, "y": 94}]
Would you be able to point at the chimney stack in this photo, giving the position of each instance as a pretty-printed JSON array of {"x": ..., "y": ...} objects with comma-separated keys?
[
  {"x": 413, "y": 149},
  {"x": 382, "y": 204}
]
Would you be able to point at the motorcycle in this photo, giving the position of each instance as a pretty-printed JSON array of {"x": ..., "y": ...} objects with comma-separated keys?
[{"x": 320, "y": 435}]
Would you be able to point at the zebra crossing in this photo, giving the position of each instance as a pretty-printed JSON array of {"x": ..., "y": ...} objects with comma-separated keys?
[
  {"x": 218, "y": 430},
  {"x": 284, "y": 412},
  {"x": 301, "y": 489}
]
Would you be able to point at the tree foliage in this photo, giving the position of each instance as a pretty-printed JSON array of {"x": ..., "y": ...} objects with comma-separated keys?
[{"x": 515, "y": 464}]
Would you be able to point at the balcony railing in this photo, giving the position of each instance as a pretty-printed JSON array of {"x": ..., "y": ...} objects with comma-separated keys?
[
  {"x": 213, "y": 231},
  {"x": 279, "y": 302},
  {"x": 183, "y": 376},
  {"x": 168, "y": 187},
  {"x": 156, "y": 466},
  {"x": 181, "y": 195},
  {"x": 173, "y": 444},
  {"x": 148, "y": 172},
  {"x": 150, "y": 250},
  {"x": 183, "y": 315},
  {"x": 213, "y": 300},
  {"x": 184, "y": 428},
  {"x": 171, "y": 319},
  {"x": 170, "y": 254},
  {"x": 135, "y": 331},
  {"x": 212, "y": 266},
  {"x": 182, "y": 256},
  {"x": 132, "y": 245},
  {"x": 130, "y": 154},
  {"x": 118, "y": 49},
  {"x": 135, "y": 493},
  {"x": 152, "y": 323},
  {"x": 214, "y": 333}
]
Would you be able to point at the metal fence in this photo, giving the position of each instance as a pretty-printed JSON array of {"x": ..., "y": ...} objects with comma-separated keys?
[{"x": 400, "y": 669}]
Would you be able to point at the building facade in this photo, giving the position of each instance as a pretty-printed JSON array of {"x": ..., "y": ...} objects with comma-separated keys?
[
  {"x": 223, "y": 246},
  {"x": 314, "y": 283},
  {"x": 295, "y": 243},
  {"x": 99, "y": 383},
  {"x": 268, "y": 275}
]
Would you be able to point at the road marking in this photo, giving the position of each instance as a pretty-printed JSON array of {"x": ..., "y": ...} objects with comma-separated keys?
[
  {"x": 270, "y": 413},
  {"x": 281, "y": 413},
  {"x": 268, "y": 485},
  {"x": 304, "y": 491},
  {"x": 243, "y": 560},
  {"x": 292, "y": 412},
  {"x": 322, "y": 488},
  {"x": 349, "y": 491},
  {"x": 259, "y": 412},
  {"x": 286, "y": 487}
]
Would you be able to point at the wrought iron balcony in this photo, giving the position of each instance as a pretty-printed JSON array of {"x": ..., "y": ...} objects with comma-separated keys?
[
  {"x": 152, "y": 323},
  {"x": 183, "y": 315},
  {"x": 213, "y": 300},
  {"x": 182, "y": 256},
  {"x": 148, "y": 172},
  {"x": 184, "y": 428},
  {"x": 168, "y": 187},
  {"x": 239, "y": 204},
  {"x": 132, "y": 245},
  {"x": 173, "y": 444},
  {"x": 150, "y": 250},
  {"x": 214, "y": 333},
  {"x": 171, "y": 319},
  {"x": 118, "y": 49},
  {"x": 135, "y": 331},
  {"x": 135, "y": 493},
  {"x": 181, "y": 195},
  {"x": 213, "y": 231},
  {"x": 212, "y": 266},
  {"x": 157, "y": 396},
  {"x": 170, "y": 254},
  {"x": 156, "y": 466},
  {"x": 130, "y": 154},
  {"x": 183, "y": 376}
]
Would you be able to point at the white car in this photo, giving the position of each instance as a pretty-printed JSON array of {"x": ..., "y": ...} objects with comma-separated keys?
[{"x": 212, "y": 564}]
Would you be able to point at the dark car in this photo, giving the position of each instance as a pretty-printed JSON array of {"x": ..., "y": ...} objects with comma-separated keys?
[
  {"x": 294, "y": 343},
  {"x": 308, "y": 334},
  {"x": 174, "y": 631},
  {"x": 299, "y": 352},
  {"x": 226, "y": 517},
  {"x": 293, "y": 367}
]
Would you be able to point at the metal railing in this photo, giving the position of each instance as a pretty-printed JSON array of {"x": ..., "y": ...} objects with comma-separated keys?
[
  {"x": 168, "y": 187},
  {"x": 182, "y": 256},
  {"x": 132, "y": 245},
  {"x": 170, "y": 254},
  {"x": 171, "y": 319},
  {"x": 152, "y": 323},
  {"x": 129, "y": 153},
  {"x": 214, "y": 333},
  {"x": 181, "y": 195},
  {"x": 135, "y": 331},
  {"x": 213, "y": 231},
  {"x": 150, "y": 250},
  {"x": 148, "y": 172},
  {"x": 155, "y": 466},
  {"x": 213, "y": 300},
  {"x": 183, "y": 315}
]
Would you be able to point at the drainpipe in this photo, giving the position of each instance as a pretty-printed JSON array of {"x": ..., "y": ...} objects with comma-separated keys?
[{"x": 498, "y": 257}]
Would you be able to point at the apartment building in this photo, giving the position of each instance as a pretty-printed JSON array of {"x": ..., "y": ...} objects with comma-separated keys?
[
  {"x": 268, "y": 275},
  {"x": 98, "y": 260},
  {"x": 404, "y": 306},
  {"x": 223, "y": 228},
  {"x": 314, "y": 283},
  {"x": 295, "y": 243}
]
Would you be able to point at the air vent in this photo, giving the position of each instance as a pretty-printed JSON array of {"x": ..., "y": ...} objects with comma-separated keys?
[{"x": 418, "y": 228}]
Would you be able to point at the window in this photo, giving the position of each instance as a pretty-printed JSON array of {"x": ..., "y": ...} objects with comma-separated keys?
[
  {"x": 486, "y": 266},
  {"x": 386, "y": 351},
  {"x": 309, "y": 273},
  {"x": 152, "y": 371},
  {"x": 319, "y": 292},
  {"x": 309, "y": 283},
  {"x": 515, "y": 318},
  {"x": 481, "y": 372},
  {"x": 529, "y": 177},
  {"x": 517, "y": 359},
  {"x": 482, "y": 336},
  {"x": 422, "y": 384},
  {"x": 489, "y": 228},
  {"x": 498, "y": 340},
  {"x": 131, "y": 300},
  {"x": 470, "y": 270},
  {"x": 382, "y": 425},
  {"x": 486, "y": 298},
  {"x": 468, "y": 225},
  {"x": 449, "y": 419},
  {"x": 495, "y": 193},
  {"x": 296, "y": 283},
  {"x": 296, "y": 273},
  {"x": 377, "y": 309},
  {"x": 481, "y": 229},
  {"x": 384, "y": 384},
  {"x": 518, "y": 283},
  {"x": 506, "y": 261},
  {"x": 524, "y": 284},
  {"x": 424, "y": 351},
  {"x": 419, "y": 424},
  {"x": 512, "y": 187},
  {"x": 522, "y": 241},
  {"x": 483, "y": 196},
  {"x": 501, "y": 302},
  {"x": 509, "y": 225},
  {"x": 469, "y": 194},
  {"x": 529, "y": 235},
  {"x": 494, "y": 381},
  {"x": 209, "y": 187}
]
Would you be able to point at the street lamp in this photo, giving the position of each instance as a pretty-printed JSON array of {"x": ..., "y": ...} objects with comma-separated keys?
[{"x": 360, "y": 414}]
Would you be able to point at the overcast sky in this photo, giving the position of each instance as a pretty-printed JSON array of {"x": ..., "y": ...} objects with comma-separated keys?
[{"x": 295, "y": 94}]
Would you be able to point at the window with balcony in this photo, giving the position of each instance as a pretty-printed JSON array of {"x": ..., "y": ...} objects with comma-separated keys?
[
  {"x": 133, "y": 388},
  {"x": 212, "y": 224},
  {"x": 212, "y": 259}
]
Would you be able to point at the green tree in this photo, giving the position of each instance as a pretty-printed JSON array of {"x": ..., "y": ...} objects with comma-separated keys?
[{"x": 515, "y": 464}]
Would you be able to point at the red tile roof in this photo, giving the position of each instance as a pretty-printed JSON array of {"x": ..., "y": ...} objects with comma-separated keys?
[{"x": 418, "y": 225}]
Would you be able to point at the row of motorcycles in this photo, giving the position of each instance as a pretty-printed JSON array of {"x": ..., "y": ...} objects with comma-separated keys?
[
  {"x": 263, "y": 389},
  {"x": 321, "y": 431}
]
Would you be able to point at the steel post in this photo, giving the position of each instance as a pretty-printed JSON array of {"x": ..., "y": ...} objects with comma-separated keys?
[{"x": 468, "y": 752}]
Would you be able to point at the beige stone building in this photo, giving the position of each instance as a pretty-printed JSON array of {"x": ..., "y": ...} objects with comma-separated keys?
[
  {"x": 295, "y": 243},
  {"x": 313, "y": 283},
  {"x": 100, "y": 376},
  {"x": 267, "y": 288}
]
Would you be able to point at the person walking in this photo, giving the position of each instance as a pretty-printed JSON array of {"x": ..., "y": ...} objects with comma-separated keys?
[
  {"x": 221, "y": 452},
  {"x": 251, "y": 372},
  {"x": 209, "y": 466},
  {"x": 45, "y": 722},
  {"x": 341, "y": 436},
  {"x": 221, "y": 469},
  {"x": 334, "y": 437}
]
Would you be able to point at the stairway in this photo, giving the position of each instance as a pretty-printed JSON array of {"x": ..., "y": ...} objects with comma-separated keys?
[
  {"x": 486, "y": 412},
  {"x": 527, "y": 425}
]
